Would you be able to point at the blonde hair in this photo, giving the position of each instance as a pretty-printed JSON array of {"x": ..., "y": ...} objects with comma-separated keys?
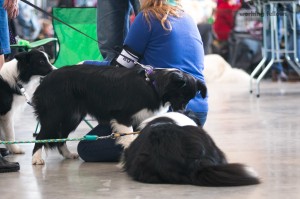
[{"x": 161, "y": 9}]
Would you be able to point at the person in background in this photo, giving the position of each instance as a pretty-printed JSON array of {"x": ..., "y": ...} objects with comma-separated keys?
[
  {"x": 245, "y": 42},
  {"x": 277, "y": 70},
  {"x": 223, "y": 25},
  {"x": 9, "y": 8},
  {"x": 66, "y": 3},
  {"x": 27, "y": 24},
  {"x": 113, "y": 24},
  {"x": 292, "y": 74},
  {"x": 162, "y": 35},
  {"x": 47, "y": 31}
]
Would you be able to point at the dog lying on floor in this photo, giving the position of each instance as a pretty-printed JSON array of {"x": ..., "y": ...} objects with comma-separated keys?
[
  {"x": 219, "y": 71},
  {"x": 24, "y": 71},
  {"x": 173, "y": 149},
  {"x": 117, "y": 95}
]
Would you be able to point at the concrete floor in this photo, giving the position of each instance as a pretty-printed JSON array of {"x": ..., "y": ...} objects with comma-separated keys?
[{"x": 263, "y": 133}]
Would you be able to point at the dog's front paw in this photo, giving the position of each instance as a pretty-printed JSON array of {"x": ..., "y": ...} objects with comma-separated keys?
[
  {"x": 72, "y": 156},
  {"x": 37, "y": 161},
  {"x": 15, "y": 149},
  {"x": 37, "y": 158}
]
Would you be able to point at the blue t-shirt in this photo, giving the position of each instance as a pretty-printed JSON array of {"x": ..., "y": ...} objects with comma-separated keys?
[{"x": 180, "y": 48}]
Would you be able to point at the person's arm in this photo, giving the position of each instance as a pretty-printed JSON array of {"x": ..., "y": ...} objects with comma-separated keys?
[
  {"x": 138, "y": 35},
  {"x": 135, "y": 42},
  {"x": 12, "y": 8}
]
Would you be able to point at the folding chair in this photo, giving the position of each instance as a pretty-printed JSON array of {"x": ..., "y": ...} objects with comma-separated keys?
[{"x": 24, "y": 45}]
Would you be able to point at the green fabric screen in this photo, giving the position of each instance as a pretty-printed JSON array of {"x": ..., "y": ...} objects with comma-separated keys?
[{"x": 75, "y": 47}]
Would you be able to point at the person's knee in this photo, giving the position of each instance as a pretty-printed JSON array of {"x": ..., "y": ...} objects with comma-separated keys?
[
  {"x": 99, "y": 151},
  {"x": 82, "y": 150},
  {"x": 202, "y": 117}
]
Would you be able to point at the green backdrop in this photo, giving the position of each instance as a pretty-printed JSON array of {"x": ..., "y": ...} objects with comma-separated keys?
[{"x": 75, "y": 47}]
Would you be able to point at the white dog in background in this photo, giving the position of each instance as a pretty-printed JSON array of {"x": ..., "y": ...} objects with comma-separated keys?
[{"x": 216, "y": 69}]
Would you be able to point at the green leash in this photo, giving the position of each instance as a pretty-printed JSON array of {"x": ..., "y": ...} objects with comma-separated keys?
[{"x": 86, "y": 138}]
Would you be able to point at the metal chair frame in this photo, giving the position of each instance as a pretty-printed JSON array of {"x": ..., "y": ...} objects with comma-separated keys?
[{"x": 275, "y": 50}]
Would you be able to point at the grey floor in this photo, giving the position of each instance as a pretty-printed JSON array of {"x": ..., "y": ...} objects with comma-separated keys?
[{"x": 263, "y": 133}]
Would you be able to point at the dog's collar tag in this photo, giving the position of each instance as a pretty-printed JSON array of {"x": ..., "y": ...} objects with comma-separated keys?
[{"x": 148, "y": 71}]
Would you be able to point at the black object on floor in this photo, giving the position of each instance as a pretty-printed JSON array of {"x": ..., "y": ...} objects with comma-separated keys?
[
  {"x": 4, "y": 152},
  {"x": 6, "y": 166}
]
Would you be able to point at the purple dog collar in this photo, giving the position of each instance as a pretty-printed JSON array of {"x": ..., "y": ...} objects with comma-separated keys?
[{"x": 149, "y": 70}]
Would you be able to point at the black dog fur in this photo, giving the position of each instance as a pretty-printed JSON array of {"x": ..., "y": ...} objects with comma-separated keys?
[
  {"x": 166, "y": 152},
  {"x": 120, "y": 96}
]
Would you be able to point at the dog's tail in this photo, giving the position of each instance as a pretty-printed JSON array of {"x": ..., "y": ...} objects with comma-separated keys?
[{"x": 225, "y": 175}]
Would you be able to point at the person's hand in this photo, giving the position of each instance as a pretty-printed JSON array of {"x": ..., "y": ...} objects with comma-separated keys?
[{"x": 12, "y": 8}]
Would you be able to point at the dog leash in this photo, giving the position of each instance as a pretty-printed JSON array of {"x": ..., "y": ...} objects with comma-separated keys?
[
  {"x": 23, "y": 92},
  {"x": 84, "y": 138}
]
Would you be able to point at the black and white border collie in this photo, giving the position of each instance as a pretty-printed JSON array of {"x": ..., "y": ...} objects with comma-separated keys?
[
  {"x": 115, "y": 95},
  {"x": 172, "y": 148},
  {"x": 16, "y": 76}
]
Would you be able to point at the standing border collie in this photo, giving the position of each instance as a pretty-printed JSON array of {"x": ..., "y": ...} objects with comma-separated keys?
[
  {"x": 120, "y": 96},
  {"x": 173, "y": 149},
  {"x": 24, "y": 71}
]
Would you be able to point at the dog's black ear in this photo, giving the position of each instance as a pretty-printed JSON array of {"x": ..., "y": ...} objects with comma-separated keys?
[
  {"x": 168, "y": 82},
  {"x": 41, "y": 48},
  {"x": 202, "y": 88},
  {"x": 178, "y": 80},
  {"x": 23, "y": 56}
]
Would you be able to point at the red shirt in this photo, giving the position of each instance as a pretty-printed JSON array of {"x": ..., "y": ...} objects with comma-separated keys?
[{"x": 224, "y": 20}]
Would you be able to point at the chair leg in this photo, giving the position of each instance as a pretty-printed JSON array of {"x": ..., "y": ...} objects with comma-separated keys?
[
  {"x": 36, "y": 129},
  {"x": 38, "y": 124},
  {"x": 88, "y": 123}
]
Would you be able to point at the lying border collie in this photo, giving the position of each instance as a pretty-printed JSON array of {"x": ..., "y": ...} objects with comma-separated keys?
[
  {"x": 117, "y": 95},
  {"x": 173, "y": 149},
  {"x": 23, "y": 72}
]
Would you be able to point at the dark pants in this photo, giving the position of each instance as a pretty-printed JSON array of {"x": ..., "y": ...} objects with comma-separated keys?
[
  {"x": 113, "y": 24},
  {"x": 101, "y": 150},
  {"x": 205, "y": 30}
]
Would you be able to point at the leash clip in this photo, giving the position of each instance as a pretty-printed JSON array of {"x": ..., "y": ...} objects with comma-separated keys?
[
  {"x": 23, "y": 92},
  {"x": 115, "y": 135},
  {"x": 148, "y": 69}
]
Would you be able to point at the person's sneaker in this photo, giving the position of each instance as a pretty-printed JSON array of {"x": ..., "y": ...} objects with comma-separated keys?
[
  {"x": 279, "y": 77},
  {"x": 283, "y": 76},
  {"x": 6, "y": 166}
]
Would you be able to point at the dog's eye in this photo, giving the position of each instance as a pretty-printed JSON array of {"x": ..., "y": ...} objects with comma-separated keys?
[{"x": 42, "y": 62}]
